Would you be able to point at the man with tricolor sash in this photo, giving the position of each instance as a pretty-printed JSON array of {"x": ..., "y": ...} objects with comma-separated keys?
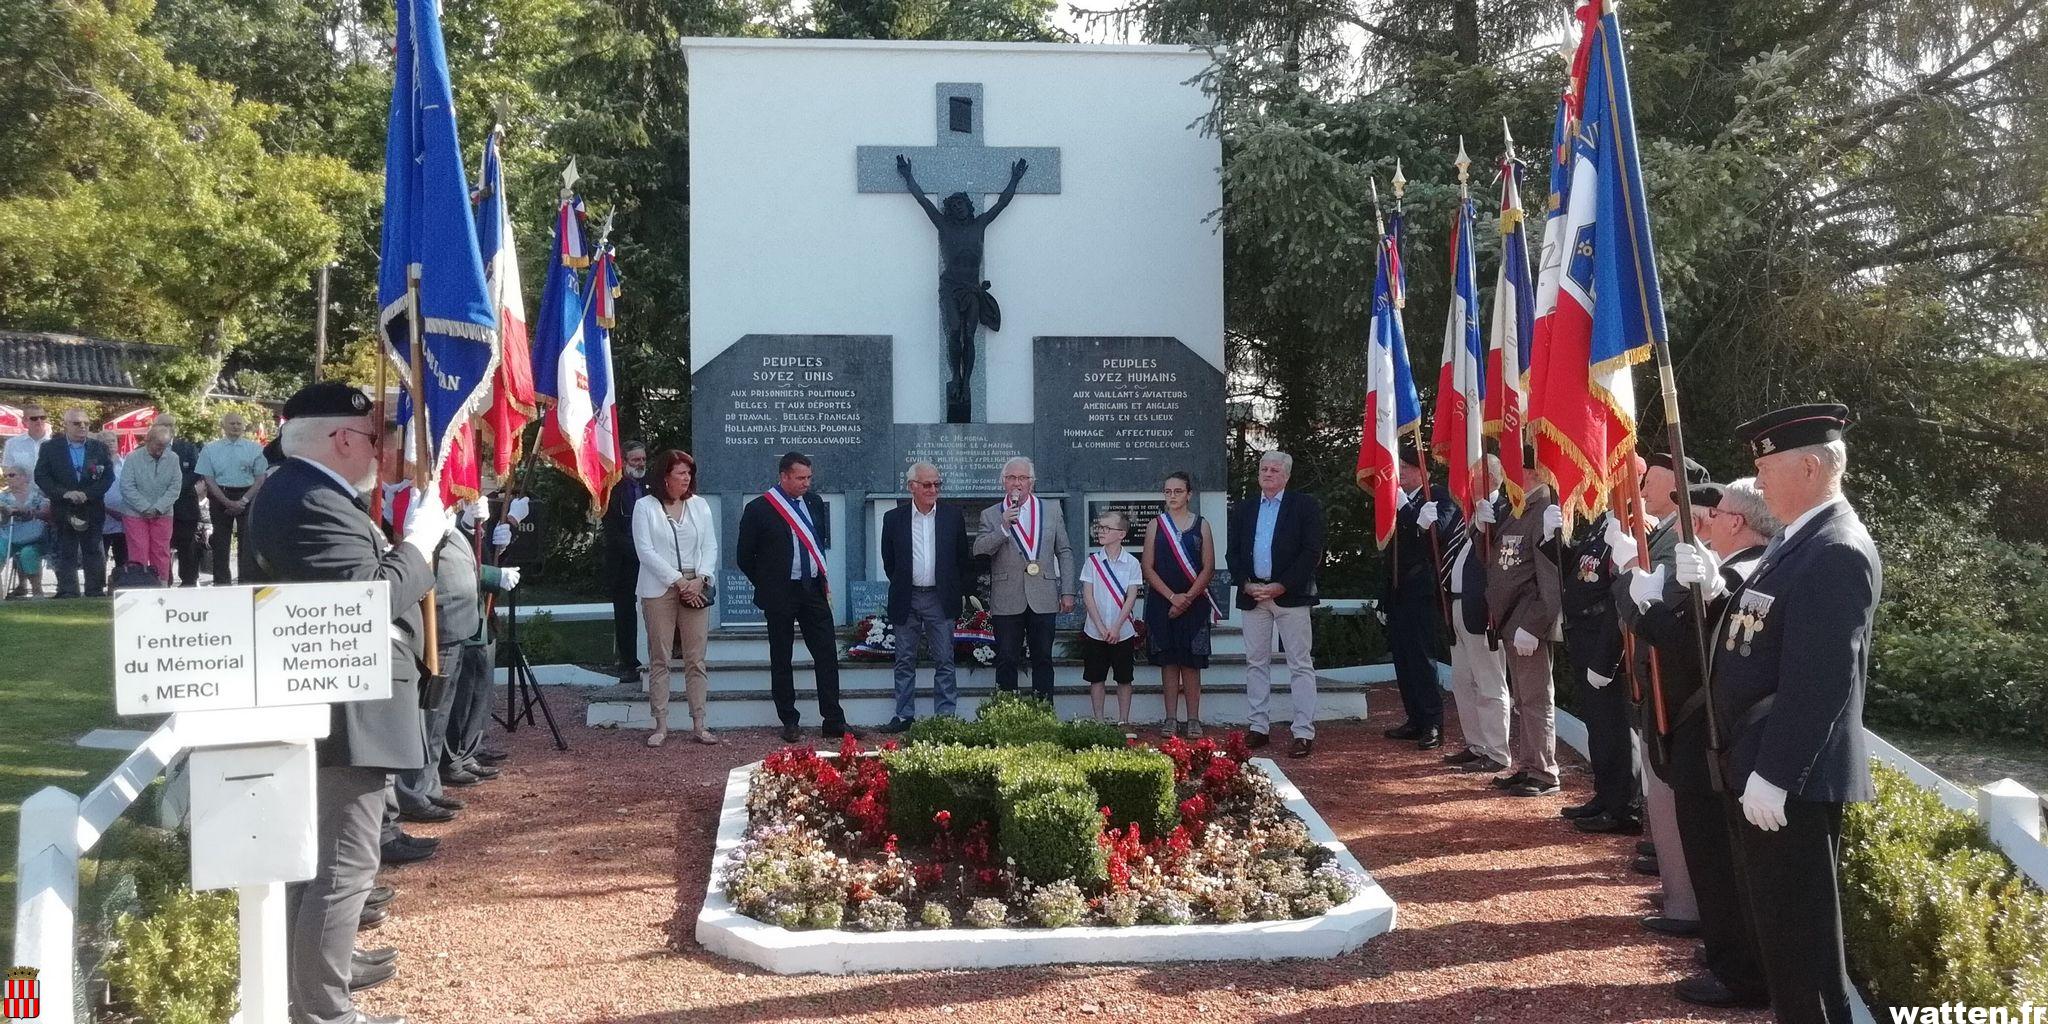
[
  {"x": 783, "y": 537},
  {"x": 1032, "y": 574}
]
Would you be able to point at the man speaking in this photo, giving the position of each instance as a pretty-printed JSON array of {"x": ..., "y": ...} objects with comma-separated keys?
[{"x": 310, "y": 523}]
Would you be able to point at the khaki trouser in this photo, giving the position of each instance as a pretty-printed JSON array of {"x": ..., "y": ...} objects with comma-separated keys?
[
  {"x": 1479, "y": 686},
  {"x": 665, "y": 615},
  {"x": 1534, "y": 743}
]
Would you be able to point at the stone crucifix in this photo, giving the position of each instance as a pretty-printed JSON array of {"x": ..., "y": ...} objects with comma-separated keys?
[{"x": 964, "y": 169}]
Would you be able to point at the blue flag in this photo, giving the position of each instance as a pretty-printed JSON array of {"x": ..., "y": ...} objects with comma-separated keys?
[
  {"x": 1630, "y": 310},
  {"x": 561, "y": 313},
  {"x": 429, "y": 234}
]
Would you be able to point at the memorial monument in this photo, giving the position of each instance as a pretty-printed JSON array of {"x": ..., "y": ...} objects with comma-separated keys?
[{"x": 813, "y": 321}]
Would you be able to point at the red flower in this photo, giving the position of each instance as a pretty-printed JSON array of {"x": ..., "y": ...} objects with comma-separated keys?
[{"x": 944, "y": 818}]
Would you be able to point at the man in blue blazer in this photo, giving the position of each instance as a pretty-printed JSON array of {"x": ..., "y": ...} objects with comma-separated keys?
[
  {"x": 1789, "y": 653},
  {"x": 1275, "y": 554},
  {"x": 76, "y": 472},
  {"x": 926, "y": 556}
]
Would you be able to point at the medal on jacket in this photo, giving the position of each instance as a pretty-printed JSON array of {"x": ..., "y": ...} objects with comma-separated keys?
[
  {"x": 1511, "y": 551},
  {"x": 1751, "y": 609},
  {"x": 1026, "y": 533}
]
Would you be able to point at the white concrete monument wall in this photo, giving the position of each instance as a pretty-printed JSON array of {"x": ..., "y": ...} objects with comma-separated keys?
[{"x": 1127, "y": 247}]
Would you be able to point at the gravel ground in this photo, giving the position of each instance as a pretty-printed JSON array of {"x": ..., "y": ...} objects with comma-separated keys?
[{"x": 568, "y": 891}]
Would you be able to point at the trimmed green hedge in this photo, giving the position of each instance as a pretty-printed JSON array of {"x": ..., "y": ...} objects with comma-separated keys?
[
  {"x": 1037, "y": 782},
  {"x": 1932, "y": 912}
]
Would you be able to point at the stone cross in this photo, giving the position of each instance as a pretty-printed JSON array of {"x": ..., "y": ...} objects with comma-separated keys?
[{"x": 960, "y": 162}]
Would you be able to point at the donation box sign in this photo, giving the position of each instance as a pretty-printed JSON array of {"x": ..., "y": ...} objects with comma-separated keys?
[{"x": 189, "y": 649}]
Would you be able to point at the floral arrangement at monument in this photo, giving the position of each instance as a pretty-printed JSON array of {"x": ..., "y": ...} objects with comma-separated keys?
[
  {"x": 873, "y": 638},
  {"x": 1018, "y": 820}
]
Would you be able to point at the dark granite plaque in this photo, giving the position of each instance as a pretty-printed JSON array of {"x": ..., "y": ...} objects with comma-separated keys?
[
  {"x": 1118, "y": 414},
  {"x": 828, "y": 396},
  {"x": 868, "y": 597},
  {"x": 970, "y": 456}
]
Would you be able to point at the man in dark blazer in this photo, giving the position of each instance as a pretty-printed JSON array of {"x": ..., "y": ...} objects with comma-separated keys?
[
  {"x": 926, "y": 556},
  {"x": 310, "y": 522},
  {"x": 75, "y": 472},
  {"x": 622, "y": 560},
  {"x": 1790, "y": 654},
  {"x": 1413, "y": 605},
  {"x": 1734, "y": 523},
  {"x": 1593, "y": 646},
  {"x": 784, "y": 535},
  {"x": 1276, "y": 551}
]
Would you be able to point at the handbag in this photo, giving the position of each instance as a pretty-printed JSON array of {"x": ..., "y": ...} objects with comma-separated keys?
[{"x": 710, "y": 591}]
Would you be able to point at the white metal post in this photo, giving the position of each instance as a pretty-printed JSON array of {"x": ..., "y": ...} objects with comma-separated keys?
[
  {"x": 46, "y": 871},
  {"x": 264, "y": 999}
]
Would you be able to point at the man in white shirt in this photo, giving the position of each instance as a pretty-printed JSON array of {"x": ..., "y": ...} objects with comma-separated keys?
[
  {"x": 228, "y": 467},
  {"x": 23, "y": 449},
  {"x": 926, "y": 556}
]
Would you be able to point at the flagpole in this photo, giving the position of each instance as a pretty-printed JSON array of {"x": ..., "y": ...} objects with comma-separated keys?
[
  {"x": 423, "y": 458},
  {"x": 1667, "y": 380}
]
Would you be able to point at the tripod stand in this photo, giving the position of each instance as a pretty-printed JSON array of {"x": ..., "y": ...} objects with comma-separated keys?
[{"x": 522, "y": 694}]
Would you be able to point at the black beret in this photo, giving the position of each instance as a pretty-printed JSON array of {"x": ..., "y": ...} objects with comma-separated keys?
[
  {"x": 1694, "y": 472},
  {"x": 327, "y": 398},
  {"x": 1794, "y": 427},
  {"x": 1410, "y": 454},
  {"x": 1706, "y": 495}
]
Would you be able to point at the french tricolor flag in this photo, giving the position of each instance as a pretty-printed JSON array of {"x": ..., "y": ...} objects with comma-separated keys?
[{"x": 1461, "y": 386}]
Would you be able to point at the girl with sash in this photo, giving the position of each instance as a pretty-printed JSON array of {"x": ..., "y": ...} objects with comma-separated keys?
[
  {"x": 1180, "y": 560},
  {"x": 1109, "y": 594}
]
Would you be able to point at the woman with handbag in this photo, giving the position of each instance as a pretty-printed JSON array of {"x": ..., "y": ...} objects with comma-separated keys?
[{"x": 677, "y": 540}]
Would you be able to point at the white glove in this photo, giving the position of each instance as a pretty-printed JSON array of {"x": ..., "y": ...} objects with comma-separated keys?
[
  {"x": 1483, "y": 515},
  {"x": 1621, "y": 548},
  {"x": 1400, "y": 498},
  {"x": 1646, "y": 588},
  {"x": 1380, "y": 615},
  {"x": 1763, "y": 804},
  {"x": 516, "y": 511},
  {"x": 476, "y": 510},
  {"x": 1553, "y": 521},
  {"x": 1696, "y": 566},
  {"x": 502, "y": 535},
  {"x": 427, "y": 521},
  {"x": 1426, "y": 516},
  {"x": 508, "y": 577},
  {"x": 1597, "y": 679},
  {"x": 1525, "y": 644}
]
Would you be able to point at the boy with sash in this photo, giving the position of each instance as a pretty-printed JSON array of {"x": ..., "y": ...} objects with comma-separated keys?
[
  {"x": 781, "y": 549},
  {"x": 1109, "y": 640}
]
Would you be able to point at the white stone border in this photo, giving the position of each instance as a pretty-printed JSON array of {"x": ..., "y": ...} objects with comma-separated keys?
[{"x": 725, "y": 931}]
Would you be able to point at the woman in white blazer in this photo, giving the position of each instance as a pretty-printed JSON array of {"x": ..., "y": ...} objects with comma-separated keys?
[{"x": 676, "y": 536}]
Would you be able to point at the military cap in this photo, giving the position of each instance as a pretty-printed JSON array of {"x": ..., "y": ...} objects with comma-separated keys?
[
  {"x": 1694, "y": 472},
  {"x": 327, "y": 398},
  {"x": 1707, "y": 495},
  {"x": 1794, "y": 427},
  {"x": 1410, "y": 454}
]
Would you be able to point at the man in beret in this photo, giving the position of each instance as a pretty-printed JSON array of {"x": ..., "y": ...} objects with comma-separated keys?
[
  {"x": 1789, "y": 655},
  {"x": 1592, "y": 643},
  {"x": 1634, "y": 588},
  {"x": 1734, "y": 523},
  {"x": 310, "y": 522},
  {"x": 1412, "y": 602}
]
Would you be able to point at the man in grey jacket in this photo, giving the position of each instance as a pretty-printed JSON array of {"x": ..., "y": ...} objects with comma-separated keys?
[
  {"x": 1524, "y": 596},
  {"x": 1032, "y": 574},
  {"x": 151, "y": 479}
]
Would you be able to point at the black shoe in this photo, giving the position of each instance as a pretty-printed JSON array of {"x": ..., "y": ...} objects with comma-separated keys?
[
  {"x": 841, "y": 731},
  {"x": 1511, "y": 781},
  {"x": 458, "y": 778},
  {"x": 1533, "y": 786},
  {"x": 1646, "y": 866},
  {"x": 393, "y": 854},
  {"x": 1646, "y": 848},
  {"x": 492, "y": 757},
  {"x": 370, "y": 977},
  {"x": 483, "y": 771},
  {"x": 1707, "y": 990},
  {"x": 1301, "y": 748},
  {"x": 1605, "y": 822},
  {"x": 1430, "y": 739},
  {"x": 1485, "y": 765},
  {"x": 791, "y": 734},
  {"x": 448, "y": 802},
  {"x": 1404, "y": 731},
  {"x": 418, "y": 842},
  {"x": 372, "y": 918},
  {"x": 1585, "y": 810},
  {"x": 1254, "y": 739},
  {"x": 380, "y": 896},
  {"x": 375, "y": 957},
  {"x": 629, "y": 673},
  {"x": 1466, "y": 756},
  {"x": 1672, "y": 926},
  {"x": 431, "y": 814},
  {"x": 896, "y": 725}
]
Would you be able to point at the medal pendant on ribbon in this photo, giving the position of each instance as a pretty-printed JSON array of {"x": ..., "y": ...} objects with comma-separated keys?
[{"x": 1031, "y": 569}]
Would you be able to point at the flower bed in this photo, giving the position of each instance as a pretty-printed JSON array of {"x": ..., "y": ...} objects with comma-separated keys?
[{"x": 1119, "y": 849}]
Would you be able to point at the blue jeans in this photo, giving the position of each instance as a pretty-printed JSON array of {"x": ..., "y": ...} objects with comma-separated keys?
[{"x": 930, "y": 626}]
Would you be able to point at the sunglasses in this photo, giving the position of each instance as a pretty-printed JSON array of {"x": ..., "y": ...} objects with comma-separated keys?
[
  {"x": 927, "y": 483},
  {"x": 37, "y": 419}
]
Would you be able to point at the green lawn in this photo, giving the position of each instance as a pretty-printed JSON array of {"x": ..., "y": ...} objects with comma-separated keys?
[{"x": 56, "y": 684}]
